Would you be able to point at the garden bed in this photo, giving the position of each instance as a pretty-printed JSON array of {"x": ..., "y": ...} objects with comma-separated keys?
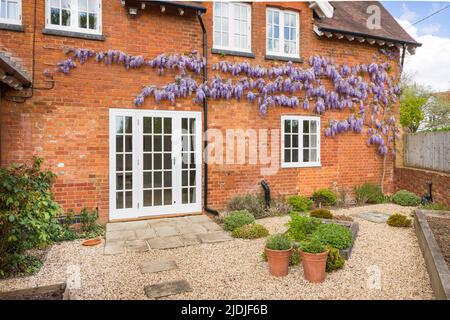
[
  {"x": 432, "y": 229},
  {"x": 51, "y": 292},
  {"x": 354, "y": 227}
]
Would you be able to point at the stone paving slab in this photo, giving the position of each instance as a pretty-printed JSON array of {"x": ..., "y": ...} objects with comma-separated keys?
[
  {"x": 211, "y": 237},
  {"x": 199, "y": 218},
  {"x": 165, "y": 243},
  {"x": 136, "y": 246},
  {"x": 165, "y": 230},
  {"x": 120, "y": 235},
  {"x": 147, "y": 233},
  {"x": 158, "y": 266},
  {"x": 114, "y": 247},
  {"x": 211, "y": 226},
  {"x": 191, "y": 228},
  {"x": 132, "y": 225},
  {"x": 190, "y": 239},
  {"x": 167, "y": 289},
  {"x": 377, "y": 217}
]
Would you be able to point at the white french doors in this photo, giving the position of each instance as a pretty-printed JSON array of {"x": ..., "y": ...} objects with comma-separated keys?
[{"x": 155, "y": 163}]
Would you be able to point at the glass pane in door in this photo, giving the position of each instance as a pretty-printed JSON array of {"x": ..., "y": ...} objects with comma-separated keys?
[
  {"x": 189, "y": 165},
  {"x": 124, "y": 162},
  {"x": 157, "y": 161}
]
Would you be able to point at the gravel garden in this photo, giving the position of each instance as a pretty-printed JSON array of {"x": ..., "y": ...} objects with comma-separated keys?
[{"x": 324, "y": 249}]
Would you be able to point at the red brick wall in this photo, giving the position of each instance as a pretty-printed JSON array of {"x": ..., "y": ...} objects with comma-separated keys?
[
  {"x": 69, "y": 124},
  {"x": 416, "y": 180}
]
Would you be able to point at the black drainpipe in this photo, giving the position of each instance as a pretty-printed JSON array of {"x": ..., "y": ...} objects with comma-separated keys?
[
  {"x": 403, "y": 57},
  {"x": 205, "y": 123}
]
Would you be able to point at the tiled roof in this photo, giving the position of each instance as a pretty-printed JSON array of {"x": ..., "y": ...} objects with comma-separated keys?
[
  {"x": 350, "y": 17},
  {"x": 12, "y": 73}
]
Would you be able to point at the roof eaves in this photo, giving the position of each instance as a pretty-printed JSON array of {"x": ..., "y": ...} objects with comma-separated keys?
[
  {"x": 181, "y": 5},
  {"x": 11, "y": 73}
]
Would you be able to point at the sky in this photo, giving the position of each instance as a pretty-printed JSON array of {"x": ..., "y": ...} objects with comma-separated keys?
[{"x": 430, "y": 65}]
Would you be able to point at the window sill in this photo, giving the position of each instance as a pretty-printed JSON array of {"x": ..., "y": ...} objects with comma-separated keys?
[
  {"x": 282, "y": 58},
  {"x": 300, "y": 166},
  {"x": 12, "y": 27},
  {"x": 233, "y": 53},
  {"x": 73, "y": 34}
]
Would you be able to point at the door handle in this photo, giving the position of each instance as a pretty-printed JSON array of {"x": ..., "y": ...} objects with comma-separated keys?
[{"x": 174, "y": 161}]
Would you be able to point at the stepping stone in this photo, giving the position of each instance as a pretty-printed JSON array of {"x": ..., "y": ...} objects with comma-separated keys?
[
  {"x": 158, "y": 266},
  {"x": 191, "y": 228},
  {"x": 211, "y": 226},
  {"x": 120, "y": 235},
  {"x": 114, "y": 247},
  {"x": 190, "y": 239},
  {"x": 144, "y": 234},
  {"x": 136, "y": 246},
  {"x": 167, "y": 289},
  {"x": 165, "y": 230},
  {"x": 214, "y": 237},
  {"x": 165, "y": 243},
  {"x": 377, "y": 217},
  {"x": 199, "y": 218}
]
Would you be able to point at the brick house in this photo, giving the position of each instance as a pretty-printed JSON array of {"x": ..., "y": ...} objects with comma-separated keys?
[{"x": 129, "y": 161}]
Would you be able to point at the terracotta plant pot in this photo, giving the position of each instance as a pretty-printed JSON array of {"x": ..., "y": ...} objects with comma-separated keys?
[
  {"x": 278, "y": 261},
  {"x": 92, "y": 242},
  {"x": 314, "y": 265}
]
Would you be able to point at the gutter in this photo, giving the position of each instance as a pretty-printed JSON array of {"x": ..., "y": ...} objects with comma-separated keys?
[
  {"x": 365, "y": 35},
  {"x": 205, "y": 121}
]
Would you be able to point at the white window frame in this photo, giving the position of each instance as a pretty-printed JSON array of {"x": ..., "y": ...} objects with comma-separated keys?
[
  {"x": 281, "y": 33},
  {"x": 73, "y": 19},
  {"x": 231, "y": 29},
  {"x": 19, "y": 13},
  {"x": 300, "y": 163}
]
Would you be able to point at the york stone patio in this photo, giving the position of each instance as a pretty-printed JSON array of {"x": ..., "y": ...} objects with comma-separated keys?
[{"x": 166, "y": 233}]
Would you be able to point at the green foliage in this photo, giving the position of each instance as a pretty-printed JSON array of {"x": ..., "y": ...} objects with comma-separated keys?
[
  {"x": 334, "y": 260},
  {"x": 313, "y": 245},
  {"x": 279, "y": 207},
  {"x": 399, "y": 220},
  {"x": 406, "y": 198},
  {"x": 301, "y": 226},
  {"x": 250, "y": 231},
  {"x": 437, "y": 112},
  {"x": 321, "y": 213},
  {"x": 300, "y": 203},
  {"x": 89, "y": 228},
  {"x": 413, "y": 99},
  {"x": 369, "y": 193},
  {"x": 254, "y": 205},
  {"x": 324, "y": 196},
  {"x": 435, "y": 206},
  {"x": 334, "y": 235},
  {"x": 278, "y": 242},
  {"x": 237, "y": 219},
  {"x": 27, "y": 213}
]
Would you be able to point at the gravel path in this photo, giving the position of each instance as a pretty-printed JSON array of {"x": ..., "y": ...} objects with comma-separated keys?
[{"x": 234, "y": 270}]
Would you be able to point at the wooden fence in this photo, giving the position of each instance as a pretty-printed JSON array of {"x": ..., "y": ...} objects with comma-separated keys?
[{"x": 428, "y": 150}]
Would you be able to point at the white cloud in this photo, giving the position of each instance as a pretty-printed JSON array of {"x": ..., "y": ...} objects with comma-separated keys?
[
  {"x": 430, "y": 28},
  {"x": 430, "y": 65},
  {"x": 407, "y": 14}
]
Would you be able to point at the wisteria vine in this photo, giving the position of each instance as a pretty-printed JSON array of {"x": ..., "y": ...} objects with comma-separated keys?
[{"x": 366, "y": 90}]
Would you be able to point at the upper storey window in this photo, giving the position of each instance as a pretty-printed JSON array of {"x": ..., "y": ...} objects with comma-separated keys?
[
  {"x": 232, "y": 26},
  {"x": 11, "y": 11},
  {"x": 74, "y": 15},
  {"x": 282, "y": 33}
]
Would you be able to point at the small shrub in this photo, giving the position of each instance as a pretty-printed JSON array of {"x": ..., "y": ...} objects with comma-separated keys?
[
  {"x": 334, "y": 260},
  {"x": 278, "y": 242},
  {"x": 399, "y": 220},
  {"x": 254, "y": 205},
  {"x": 300, "y": 203},
  {"x": 237, "y": 219},
  {"x": 250, "y": 231},
  {"x": 342, "y": 217},
  {"x": 313, "y": 245},
  {"x": 334, "y": 235},
  {"x": 278, "y": 208},
  {"x": 301, "y": 226},
  {"x": 369, "y": 193},
  {"x": 435, "y": 206},
  {"x": 324, "y": 197},
  {"x": 321, "y": 213},
  {"x": 406, "y": 198}
]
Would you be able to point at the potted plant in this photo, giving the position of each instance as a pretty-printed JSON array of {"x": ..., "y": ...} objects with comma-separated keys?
[
  {"x": 278, "y": 250},
  {"x": 314, "y": 255}
]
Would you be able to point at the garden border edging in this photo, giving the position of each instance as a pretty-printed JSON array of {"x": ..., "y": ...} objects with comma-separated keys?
[{"x": 437, "y": 267}]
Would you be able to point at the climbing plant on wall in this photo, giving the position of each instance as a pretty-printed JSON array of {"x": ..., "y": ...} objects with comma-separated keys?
[{"x": 367, "y": 90}]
